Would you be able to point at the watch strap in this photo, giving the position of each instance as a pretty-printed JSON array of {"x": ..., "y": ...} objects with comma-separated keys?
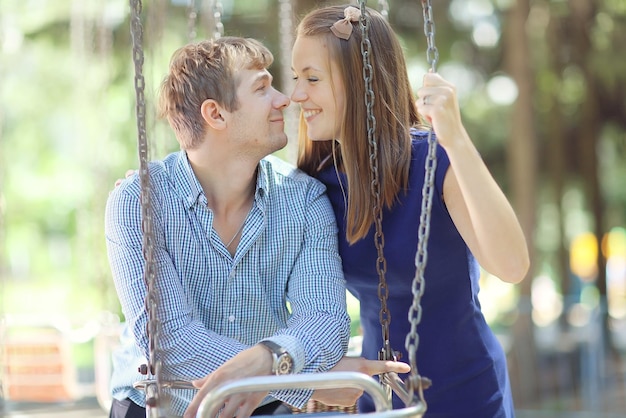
[
  {"x": 282, "y": 360},
  {"x": 273, "y": 347}
]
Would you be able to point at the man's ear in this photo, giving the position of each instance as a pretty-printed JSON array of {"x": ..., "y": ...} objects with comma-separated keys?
[{"x": 212, "y": 113}]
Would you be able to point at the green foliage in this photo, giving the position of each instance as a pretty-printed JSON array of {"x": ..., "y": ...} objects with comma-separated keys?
[{"x": 68, "y": 128}]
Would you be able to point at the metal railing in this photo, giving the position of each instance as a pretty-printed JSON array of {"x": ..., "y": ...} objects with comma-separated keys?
[{"x": 329, "y": 380}]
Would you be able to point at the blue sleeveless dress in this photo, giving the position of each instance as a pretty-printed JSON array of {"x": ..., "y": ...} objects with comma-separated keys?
[{"x": 457, "y": 349}]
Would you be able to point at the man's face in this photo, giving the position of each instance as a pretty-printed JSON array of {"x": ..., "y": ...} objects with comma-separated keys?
[{"x": 259, "y": 123}]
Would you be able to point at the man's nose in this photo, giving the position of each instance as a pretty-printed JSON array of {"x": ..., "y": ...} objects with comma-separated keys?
[{"x": 281, "y": 100}]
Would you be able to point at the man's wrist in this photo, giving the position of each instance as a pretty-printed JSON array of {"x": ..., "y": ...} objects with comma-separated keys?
[
  {"x": 282, "y": 361},
  {"x": 266, "y": 359}
]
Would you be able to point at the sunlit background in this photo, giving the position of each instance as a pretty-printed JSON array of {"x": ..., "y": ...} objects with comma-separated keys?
[{"x": 541, "y": 86}]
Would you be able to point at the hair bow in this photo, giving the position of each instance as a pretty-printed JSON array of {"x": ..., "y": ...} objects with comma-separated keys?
[{"x": 343, "y": 27}]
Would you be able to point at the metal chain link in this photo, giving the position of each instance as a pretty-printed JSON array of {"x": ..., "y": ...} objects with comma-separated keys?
[
  {"x": 153, "y": 391},
  {"x": 192, "y": 20},
  {"x": 386, "y": 352},
  {"x": 432, "y": 54},
  {"x": 415, "y": 382},
  {"x": 383, "y": 7},
  {"x": 218, "y": 11}
]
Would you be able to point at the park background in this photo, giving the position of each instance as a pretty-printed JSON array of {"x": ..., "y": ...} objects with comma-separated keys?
[{"x": 541, "y": 85}]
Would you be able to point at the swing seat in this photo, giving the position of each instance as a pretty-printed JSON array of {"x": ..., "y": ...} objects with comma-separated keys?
[
  {"x": 318, "y": 407},
  {"x": 409, "y": 412},
  {"x": 328, "y": 380}
]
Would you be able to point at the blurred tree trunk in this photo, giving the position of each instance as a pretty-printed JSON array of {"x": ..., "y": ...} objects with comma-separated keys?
[
  {"x": 522, "y": 171},
  {"x": 583, "y": 16},
  {"x": 558, "y": 151}
]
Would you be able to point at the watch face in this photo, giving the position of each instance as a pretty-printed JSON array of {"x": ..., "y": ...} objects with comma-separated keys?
[{"x": 285, "y": 364}]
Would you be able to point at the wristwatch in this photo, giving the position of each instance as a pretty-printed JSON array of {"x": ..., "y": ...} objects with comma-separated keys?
[{"x": 283, "y": 363}]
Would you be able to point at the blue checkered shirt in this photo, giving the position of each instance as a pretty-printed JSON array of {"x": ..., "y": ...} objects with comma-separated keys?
[{"x": 284, "y": 283}]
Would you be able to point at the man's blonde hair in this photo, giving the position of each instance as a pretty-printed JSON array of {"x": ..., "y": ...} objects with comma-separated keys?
[{"x": 201, "y": 71}]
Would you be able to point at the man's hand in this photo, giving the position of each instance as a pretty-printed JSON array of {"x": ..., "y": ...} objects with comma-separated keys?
[
  {"x": 255, "y": 361},
  {"x": 348, "y": 396}
]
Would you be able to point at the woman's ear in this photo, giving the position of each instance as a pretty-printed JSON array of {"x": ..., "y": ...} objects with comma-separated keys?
[{"x": 212, "y": 114}]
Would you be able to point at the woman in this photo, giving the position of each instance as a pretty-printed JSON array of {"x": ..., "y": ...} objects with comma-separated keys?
[{"x": 472, "y": 223}]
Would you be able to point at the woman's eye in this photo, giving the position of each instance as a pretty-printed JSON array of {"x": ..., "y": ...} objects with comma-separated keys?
[{"x": 309, "y": 79}]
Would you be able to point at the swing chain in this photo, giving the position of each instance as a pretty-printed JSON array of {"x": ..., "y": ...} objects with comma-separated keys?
[
  {"x": 383, "y": 7},
  {"x": 386, "y": 352},
  {"x": 192, "y": 18},
  {"x": 415, "y": 382},
  {"x": 153, "y": 391},
  {"x": 218, "y": 11},
  {"x": 432, "y": 54}
]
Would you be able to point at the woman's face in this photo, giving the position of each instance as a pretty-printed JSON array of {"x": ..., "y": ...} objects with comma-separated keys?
[{"x": 319, "y": 88}]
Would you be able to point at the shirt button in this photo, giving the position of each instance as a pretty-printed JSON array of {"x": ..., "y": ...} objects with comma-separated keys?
[{"x": 231, "y": 318}]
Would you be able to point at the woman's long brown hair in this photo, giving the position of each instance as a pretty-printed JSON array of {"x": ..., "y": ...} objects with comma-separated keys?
[{"x": 394, "y": 110}]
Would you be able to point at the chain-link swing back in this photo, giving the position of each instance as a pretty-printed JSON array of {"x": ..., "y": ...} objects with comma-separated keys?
[
  {"x": 383, "y": 8},
  {"x": 192, "y": 21},
  {"x": 218, "y": 26},
  {"x": 386, "y": 352},
  {"x": 415, "y": 382},
  {"x": 153, "y": 389}
]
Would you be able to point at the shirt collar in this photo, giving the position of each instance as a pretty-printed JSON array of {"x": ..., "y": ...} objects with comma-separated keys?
[
  {"x": 191, "y": 190},
  {"x": 186, "y": 181},
  {"x": 262, "y": 182}
]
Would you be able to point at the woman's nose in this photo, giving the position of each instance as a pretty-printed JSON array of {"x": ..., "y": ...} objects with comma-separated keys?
[{"x": 298, "y": 95}]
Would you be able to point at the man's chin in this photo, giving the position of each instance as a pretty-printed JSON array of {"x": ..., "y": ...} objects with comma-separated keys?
[{"x": 280, "y": 143}]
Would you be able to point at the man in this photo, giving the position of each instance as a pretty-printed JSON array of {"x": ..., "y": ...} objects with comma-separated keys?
[{"x": 249, "y": 278}]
